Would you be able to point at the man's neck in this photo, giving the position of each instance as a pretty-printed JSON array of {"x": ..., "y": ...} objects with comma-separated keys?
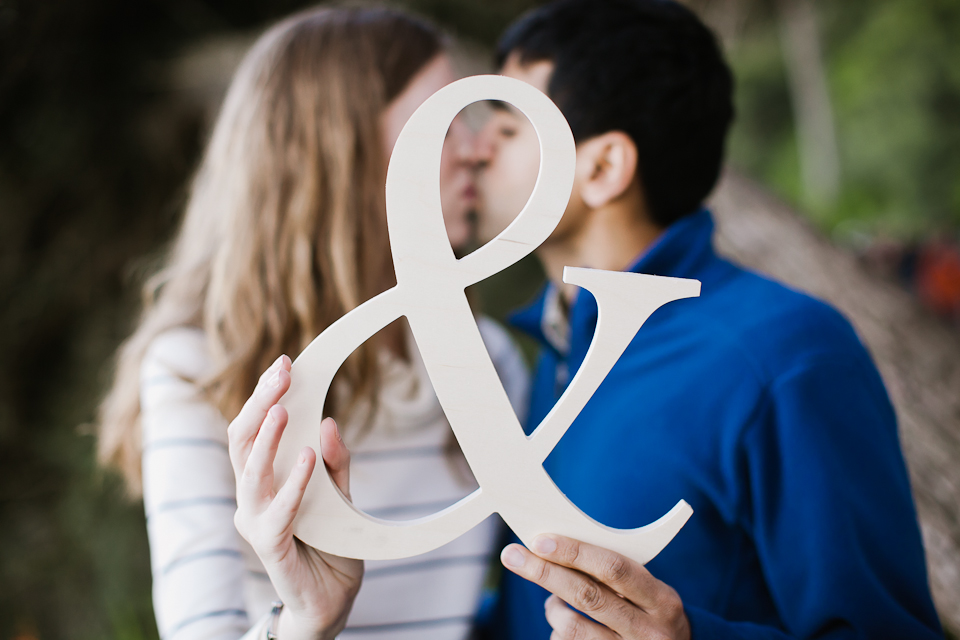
[{"x": 609, "y": 238}]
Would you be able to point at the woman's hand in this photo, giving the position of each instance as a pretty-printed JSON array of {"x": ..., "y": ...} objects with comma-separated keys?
[{"x": 317, "y": 589}]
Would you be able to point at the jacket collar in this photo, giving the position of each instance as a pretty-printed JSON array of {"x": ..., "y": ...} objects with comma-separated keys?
[{"x": 684, "y": 250}]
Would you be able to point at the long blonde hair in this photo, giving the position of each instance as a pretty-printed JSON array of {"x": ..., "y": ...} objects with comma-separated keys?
[{"x": 285, "y": 227}]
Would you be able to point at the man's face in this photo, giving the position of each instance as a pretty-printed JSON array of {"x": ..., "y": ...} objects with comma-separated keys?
[{"x": 509, "y": 155}]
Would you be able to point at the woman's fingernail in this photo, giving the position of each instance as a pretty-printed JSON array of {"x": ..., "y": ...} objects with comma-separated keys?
[
  {"x": 275, "y": 365},
  {"x": 274, "y": 380},
  {"x": 512, "y": 557},
  {"x": 303, "y": 457},
  {"x": 271, "y": 420},
  {"x": 544, "y": 544}
]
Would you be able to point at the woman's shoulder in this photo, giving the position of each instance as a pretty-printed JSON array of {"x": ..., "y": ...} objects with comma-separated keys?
[
  {"x": 496, "y": 338},
  {"x": 173, "y": 403},
  {"x": 174, "y": 363},
  {"x": 508, "y": 361},
  {"x": 181, "y": 351}
]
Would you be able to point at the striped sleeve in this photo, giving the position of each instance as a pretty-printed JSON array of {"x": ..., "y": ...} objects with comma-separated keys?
[{"x": 190, "y": 499}]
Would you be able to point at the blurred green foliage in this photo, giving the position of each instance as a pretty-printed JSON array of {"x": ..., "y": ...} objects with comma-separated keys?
[{"x": 893, "y": 69}]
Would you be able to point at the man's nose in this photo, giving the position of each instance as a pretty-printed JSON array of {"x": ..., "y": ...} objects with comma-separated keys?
[
  {"x": 464, "y": 142},
  {"x": 483, "y": 146},
  {"x": 460, "y": 142}
]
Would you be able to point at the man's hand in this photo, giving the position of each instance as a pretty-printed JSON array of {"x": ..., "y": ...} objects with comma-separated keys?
[{"x": 613, "y": 590}]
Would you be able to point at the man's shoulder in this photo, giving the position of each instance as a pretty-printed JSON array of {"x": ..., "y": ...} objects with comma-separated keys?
[{"x": 777, "y": 327}]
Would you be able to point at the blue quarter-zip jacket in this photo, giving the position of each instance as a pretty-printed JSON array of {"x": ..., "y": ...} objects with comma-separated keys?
[{"x": 760, "y": 407}]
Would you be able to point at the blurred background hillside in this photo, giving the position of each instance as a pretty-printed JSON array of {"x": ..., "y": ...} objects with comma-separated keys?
[{"x": 848, "y": 111}]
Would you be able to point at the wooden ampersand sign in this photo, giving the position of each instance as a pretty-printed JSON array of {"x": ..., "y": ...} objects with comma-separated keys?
[{"x": 507, "y": 464}]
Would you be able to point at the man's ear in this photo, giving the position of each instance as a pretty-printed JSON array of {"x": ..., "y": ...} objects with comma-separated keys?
[{"x": 606, "y": 166}]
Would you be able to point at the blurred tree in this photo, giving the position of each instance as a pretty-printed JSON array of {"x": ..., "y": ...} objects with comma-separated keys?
[
  {"x": 80, "y": 198},
  {"x": 892, "y": 71},
  {"x": 812, "y": 110},
  {"x": 895, "y": 67}
]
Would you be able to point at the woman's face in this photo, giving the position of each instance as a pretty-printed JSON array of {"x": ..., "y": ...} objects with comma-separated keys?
[{"x": 457, "y": 191}]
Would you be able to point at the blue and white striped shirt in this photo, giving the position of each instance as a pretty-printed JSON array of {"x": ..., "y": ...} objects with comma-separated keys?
[{"x": 208, "y": 582}]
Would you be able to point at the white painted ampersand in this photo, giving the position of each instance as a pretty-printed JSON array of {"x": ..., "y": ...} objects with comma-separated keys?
[{"x": 507, "y": 464}]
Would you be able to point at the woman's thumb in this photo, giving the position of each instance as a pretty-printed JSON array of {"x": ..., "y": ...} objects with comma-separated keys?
[{"x": 335, "y": 455}]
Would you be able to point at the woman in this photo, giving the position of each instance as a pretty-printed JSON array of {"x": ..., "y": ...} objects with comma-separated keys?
[{"x": 285, "y": 231}]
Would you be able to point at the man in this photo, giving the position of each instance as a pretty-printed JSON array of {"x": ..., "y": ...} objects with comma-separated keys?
[{"x": 754, "y": 403}]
